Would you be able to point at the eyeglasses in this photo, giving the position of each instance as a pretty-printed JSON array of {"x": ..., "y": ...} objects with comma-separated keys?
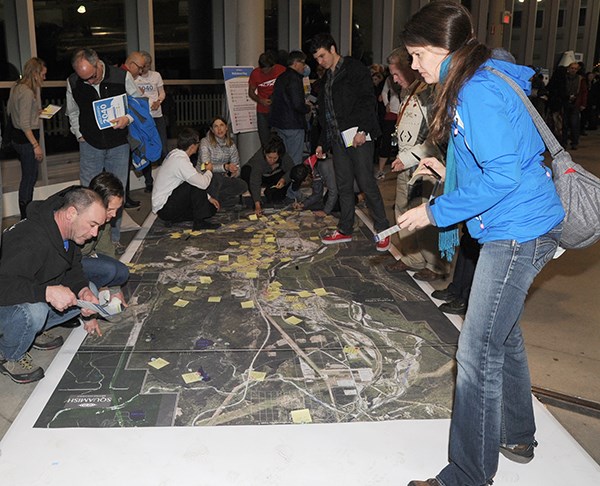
[
  {"x": 141, "y": 68},
  {"x": 92, "y": 76}
]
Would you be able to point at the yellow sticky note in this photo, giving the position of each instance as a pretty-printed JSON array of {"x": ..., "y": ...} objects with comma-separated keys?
[
  {"x": 195, "y": 233},
  {"x": 205, "y": 280},
  {"x": 285, "y": 259},
  {"x": 270, "y": 239},
  {"x": 193, "y": 377},
  {"x": 248, "y": 304},
  {"x": 214, "y": 299},
  {"x": 301, "y": 416},
  {"x": 223, "y": 258},
  {"x": 181, "y": 303},
  {"x": 190, "y": 288},
  {"x": 314, "y": 238},
  {"x": 257, "y": 375},
  {"x": 175, "y": 289},
  {"x": 293, "y": 320},
  {"x": 320, "y": 292},
  {"x": 234, "y": 243},
  {"x": 252, "y": 275},
  {"x": 298, "y": 306},
  {"x": 291, "y": 298},
  {"x": 176, "y": 236},
  {"x": 158, "y": 363},
  {"x": 348, "y": 349},
  {"x": 304, "y": 294},
  {"x": 253, "y": 217}
]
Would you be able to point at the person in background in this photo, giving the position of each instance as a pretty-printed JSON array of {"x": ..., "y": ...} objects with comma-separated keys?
[
  {"x": 270, "y": 167},
  {"x": 151, "y": 85},
  {"x": 260, "y": 88},
  {"x": 218, "y": 149},
  {"x": 101, "y": 269},
  {"x": 323, "y": 177},
  {"x": 179, "y": 192},
  {"x": 496, "y": 181},
  {"x": 347, "y": 106},
  {"x": 419, "y": 249},
  {"x": 289, "y": 107},
  {"x": 24, "y": 108},
  {"x": 575, "y": 102},
  {"x": 387, "y": 143},
  {"x": 100, "y": 150}
]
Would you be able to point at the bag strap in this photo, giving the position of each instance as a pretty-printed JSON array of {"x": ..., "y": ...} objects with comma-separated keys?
[{"x": 554, "y": 147}]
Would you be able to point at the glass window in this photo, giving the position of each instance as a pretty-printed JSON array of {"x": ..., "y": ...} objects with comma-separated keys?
[
  {"x": 8, "y": 70},
  {"x": 183, "y": 40},
  {"x": 316, "y": 19},
  {"x": 271, "y": 27},
  {"x": 62, "y": 26},
  {"x": 362, "y": 31}
]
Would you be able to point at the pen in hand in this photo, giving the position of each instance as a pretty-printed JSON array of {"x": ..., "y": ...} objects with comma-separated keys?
[{"x": 433, "y": 172}]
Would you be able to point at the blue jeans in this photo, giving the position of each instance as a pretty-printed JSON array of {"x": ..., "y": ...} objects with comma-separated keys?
[
  {"x": 293, "y": 139},
  {"x": 492, "y": 401},
  {"x": 29, "y": 173},
  {"x": 356, "y": 163},
  {"x": 21, "y": 323},
  {"x": 105, "y": 271},
  {"x": 93, "y": 161}
]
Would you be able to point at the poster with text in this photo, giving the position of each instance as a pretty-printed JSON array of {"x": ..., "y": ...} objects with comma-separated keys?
[{"x": 242, "y": 109}]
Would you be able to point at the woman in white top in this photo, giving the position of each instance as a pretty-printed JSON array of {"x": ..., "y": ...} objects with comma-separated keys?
[{"x": 218, "y": 148}]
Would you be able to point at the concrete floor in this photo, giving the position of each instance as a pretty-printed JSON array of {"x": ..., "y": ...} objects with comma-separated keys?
[{"x": 561, "y": 327}]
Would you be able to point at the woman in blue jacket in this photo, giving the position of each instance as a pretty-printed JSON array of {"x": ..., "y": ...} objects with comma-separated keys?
[{"x": 496, "y": 181}]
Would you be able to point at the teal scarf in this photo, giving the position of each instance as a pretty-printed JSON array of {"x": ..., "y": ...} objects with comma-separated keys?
[{"x": 448, "y": 237}]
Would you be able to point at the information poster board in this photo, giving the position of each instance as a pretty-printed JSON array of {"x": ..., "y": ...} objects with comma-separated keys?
[{"x": 242, "y": 109}]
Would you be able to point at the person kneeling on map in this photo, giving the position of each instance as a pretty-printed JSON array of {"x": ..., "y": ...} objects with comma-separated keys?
[
  {"x": 179, "y": 192},
  {"x": 269, "y": 167},
  {"x": 41, "y": 277}
]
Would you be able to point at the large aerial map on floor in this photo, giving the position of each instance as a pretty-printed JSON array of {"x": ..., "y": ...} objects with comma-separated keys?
[{"x": 259, "y": 323}]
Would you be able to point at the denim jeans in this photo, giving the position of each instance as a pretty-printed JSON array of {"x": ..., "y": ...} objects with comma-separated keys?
[
  {"x": 492, "y": 401},
  {"x": 29, "y": 173},
  {"x": 105, "y": 271},
  {"x": 21, "y": 323},
  {"x": 293, "y": 139},
  {"x": 93, "y": 161},
  {"x": 356, "y": 163}
]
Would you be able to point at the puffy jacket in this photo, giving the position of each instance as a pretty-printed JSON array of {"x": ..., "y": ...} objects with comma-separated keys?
[{"x": 504, "y": 190}]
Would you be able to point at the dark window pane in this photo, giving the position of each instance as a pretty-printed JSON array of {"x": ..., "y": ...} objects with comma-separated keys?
[
  {"x": 517, "y": 20},
  {"x": 362, "y": 31},
  {"x": 561, "y": 18},
  {"x": 271, "y": 27},
  {"x": 183, "y": 40},
  {"x": 62, "y": 26},
  {"x": 582, "y": 14},
  {"x": 539, "y": 19},
  {"x": 316, "y": 19}
]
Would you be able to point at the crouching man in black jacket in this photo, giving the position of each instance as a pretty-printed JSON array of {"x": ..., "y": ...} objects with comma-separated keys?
[{"x": 41, "y": 277}]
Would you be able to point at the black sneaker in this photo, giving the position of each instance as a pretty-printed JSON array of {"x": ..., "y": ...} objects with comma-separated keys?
[
  {"x": 456, "y": 306},
  {"x": 521, "y": 453},
  {"x": 23, "y": 370},
  {"x": 444, "y": 294},
  {"x": 131, "y": 203},
  {"x": 47, "y": 341}
]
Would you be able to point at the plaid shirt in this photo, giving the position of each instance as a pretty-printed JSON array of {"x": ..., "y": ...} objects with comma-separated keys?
[{"x": 332, "y": 129}]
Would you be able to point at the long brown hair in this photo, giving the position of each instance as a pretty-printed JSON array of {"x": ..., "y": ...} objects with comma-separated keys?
[
  {"x": 32, "y": 73},
  {"x": 447, "y": 25}
]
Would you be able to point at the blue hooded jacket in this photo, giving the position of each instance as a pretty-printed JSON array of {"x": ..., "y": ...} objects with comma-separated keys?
[{"x": 504, "y": 190}]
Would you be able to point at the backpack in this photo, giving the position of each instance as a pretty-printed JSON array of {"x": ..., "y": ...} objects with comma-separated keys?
[
  {"x": 143, "y": 137},
  {"x": 578, "y": 189}
]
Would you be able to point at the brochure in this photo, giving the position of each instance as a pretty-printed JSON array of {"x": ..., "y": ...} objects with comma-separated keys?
[
  {"x": 107, "y": 306},
  {"x": 348, "y": 136},
  {"x": 50, "y": 111},
  {"x": 107, "y": 109}
]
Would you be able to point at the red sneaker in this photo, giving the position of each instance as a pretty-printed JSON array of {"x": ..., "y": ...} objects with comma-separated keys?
[
  {"x": 336, "y": 237},
  {"x": 384, "y": 245}
]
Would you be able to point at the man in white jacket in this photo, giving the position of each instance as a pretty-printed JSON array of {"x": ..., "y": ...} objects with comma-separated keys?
[{"x": 179, "y": 192}]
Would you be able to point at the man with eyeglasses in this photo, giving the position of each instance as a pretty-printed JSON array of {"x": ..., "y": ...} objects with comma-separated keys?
[
  {"x": 289, "y": 108},
  {"x": 100, "y": 150}
]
